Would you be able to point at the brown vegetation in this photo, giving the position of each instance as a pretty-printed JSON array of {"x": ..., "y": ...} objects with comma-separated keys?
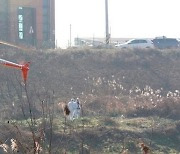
[{"x": 110, "y": 83}]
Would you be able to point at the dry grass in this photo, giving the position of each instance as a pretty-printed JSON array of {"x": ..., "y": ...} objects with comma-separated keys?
[{"x": 128, "y": 97}]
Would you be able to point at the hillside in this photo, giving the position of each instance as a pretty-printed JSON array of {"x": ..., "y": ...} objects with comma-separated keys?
[
  {"x": 93, "y": 75},
  {"x": 113, "y": 85},
  {"x": 66, "y": 71}
]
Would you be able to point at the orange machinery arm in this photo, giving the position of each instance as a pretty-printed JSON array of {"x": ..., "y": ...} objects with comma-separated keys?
[{"x": 24, "y": 67}]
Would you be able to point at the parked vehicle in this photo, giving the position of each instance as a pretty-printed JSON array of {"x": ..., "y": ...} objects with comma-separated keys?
[
  {"x": 165, "y": 43},
  {"x": 136, "y": 43}
]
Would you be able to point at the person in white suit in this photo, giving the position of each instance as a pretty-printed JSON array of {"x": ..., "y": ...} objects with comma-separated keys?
[
  {"x": 78, "y": 108},
  {"x": 75, "y": 109}
]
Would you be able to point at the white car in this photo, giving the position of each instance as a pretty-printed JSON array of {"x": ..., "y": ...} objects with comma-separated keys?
[{"x": 136, "y": 43}]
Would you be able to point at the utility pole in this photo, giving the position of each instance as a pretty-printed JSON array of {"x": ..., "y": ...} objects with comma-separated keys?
[
  {"x": 107, "y": 23},
  {"x": 70, "y": 37},
  {"x": 93, "y": 41}
]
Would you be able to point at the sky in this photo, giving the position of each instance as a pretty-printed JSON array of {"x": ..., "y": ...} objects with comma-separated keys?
[{"x": 127, "y": 19}]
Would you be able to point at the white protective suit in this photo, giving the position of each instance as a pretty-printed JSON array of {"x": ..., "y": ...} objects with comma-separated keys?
[{"x": 75, "y": 109}]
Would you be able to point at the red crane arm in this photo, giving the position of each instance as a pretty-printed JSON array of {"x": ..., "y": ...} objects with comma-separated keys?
[{"x": 24, "y": 67}]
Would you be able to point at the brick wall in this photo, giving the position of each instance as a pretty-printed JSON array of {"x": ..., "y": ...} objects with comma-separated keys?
[{"x": 38, "y": 5}]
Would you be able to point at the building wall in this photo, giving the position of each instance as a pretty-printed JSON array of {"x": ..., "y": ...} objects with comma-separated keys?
[
  {"x": 43, "y": 21},
  {"x": 49, "y": 23},
  {"x": 4, "y": 20}
]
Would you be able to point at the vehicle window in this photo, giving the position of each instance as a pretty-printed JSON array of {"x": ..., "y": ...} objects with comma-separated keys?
[
  {"x": 142, "y": 41},
  {"x": 134, "y": 42}
]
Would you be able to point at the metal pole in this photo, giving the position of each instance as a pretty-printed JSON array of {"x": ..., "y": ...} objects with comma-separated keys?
[
  {"x": 107, "y": 23},
  {"x": 70, "y": 37}
]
